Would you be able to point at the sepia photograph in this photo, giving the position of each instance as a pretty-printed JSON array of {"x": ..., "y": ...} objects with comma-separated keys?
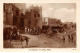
[{"x": 39, "y": 25}]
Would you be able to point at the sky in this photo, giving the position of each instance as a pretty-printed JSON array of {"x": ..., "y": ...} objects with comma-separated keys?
[{"x": 66, "y": 12}]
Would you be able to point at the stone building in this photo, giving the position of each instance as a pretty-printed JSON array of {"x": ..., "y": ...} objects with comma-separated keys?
[
  {"x": 27, "y": 19},
  {"x": 8, "y": 14},
  {"x": 55, "y": 25},
  {"x": 21, "y": 6},
  {"x": 54, "y": 22},
  {"x": 45, "y": 21},
  {"x": 33, "y": 18},
  {"x": 14, "y": 14}
]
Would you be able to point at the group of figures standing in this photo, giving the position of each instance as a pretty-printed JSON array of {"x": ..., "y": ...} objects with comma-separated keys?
[
  {"x": 33, "y": 31},
  {"x": 70, "y": 38}
]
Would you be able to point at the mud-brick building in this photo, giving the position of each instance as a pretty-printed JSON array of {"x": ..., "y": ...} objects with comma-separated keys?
[
  {"x": 27, "y": 19},
  {"x": 54, "y": 22},
  {"x": 33, "y": 18},
  {"x": 55, "y": 25},
  {"x": 11, "y": 14},
  {"x": 14, "y": 14},
  {"x": 20, "y": 14},
  {"x": 8, "y": 14}
]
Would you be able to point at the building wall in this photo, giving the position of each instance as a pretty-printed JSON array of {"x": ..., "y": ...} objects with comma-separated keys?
[
  {"x": 16, "y": 15},
  {"x": 45, "y": 21},
  {"x": 54, "y": 22},
  {"x": 27, "y": 19},
  {"x": 12, "y": 14},
  {"x": 36, "y": 15},
  {"x": 34, "y": 18},
  {"x": 8, "y": 14},
  {"x": 21, "y": 6}
]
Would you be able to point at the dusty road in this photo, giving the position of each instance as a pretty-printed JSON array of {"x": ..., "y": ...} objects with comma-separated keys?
[{"x": 39, "y": 41}]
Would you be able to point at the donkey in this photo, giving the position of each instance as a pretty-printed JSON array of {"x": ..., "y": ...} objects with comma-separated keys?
[{"x": 22, "y": 38}]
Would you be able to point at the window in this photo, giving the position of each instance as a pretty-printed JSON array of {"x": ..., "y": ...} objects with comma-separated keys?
[
  {"x": 17, "y": 12},
  {"x": 38, "y": 15},
  {"x": 36, "y": 21},
  {"x": 34, "y": 15},
  {"x": 29, "y": 22}
]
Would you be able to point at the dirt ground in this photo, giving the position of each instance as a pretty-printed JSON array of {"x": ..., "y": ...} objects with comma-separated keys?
[{"x": 41, "y": 41}]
